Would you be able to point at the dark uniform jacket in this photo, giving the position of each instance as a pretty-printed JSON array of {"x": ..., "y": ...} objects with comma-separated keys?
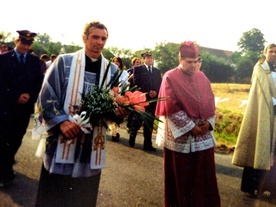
[{"x": 16, "y": 79}]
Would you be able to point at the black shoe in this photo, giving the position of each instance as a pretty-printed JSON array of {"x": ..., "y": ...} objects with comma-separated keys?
[
  {"x": 131, "y": 141},
  {"x": 151, "y": 148},
  {"x": 7, "y": 179},
  {"x": 5, "y": 184},
  {"x": 131, "y": 144},
  {"x": 116, "y": 138},
  {"x": 10, "y": 175}
]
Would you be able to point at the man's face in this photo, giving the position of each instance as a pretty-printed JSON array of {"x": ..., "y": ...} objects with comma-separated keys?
[
  {"x": 271, "y": 55},
  {"x": 198, "y": 65},
  {"x": 21, "y": 47},
  {"x": 4, "y": 48},
  {"x": 188, "y": 64},
  {"x": 95, "y": 41},
  {"x": 148, "y": 60}
]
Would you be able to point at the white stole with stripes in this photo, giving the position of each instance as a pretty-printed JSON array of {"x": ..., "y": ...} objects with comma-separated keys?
[{"x": 66, "y": 149}]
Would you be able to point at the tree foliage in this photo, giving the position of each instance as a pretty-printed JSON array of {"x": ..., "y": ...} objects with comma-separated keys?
[
  {"x": 237, "y": 69},
  {"x": 5, "y": 36},
  {"x": 218, "y": 70},
  {"x": 251, "y": 45},
  {"x": 166, "y": 56},
  {"x": 252, "y": 40},
  {"x": 125, "y": 54},
  {"x": 244, "y": 67}
]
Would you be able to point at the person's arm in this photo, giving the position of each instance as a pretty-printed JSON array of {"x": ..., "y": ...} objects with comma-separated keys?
[
  {"x": 52, "y": 95},
  {"x": 137, "y": 77},
  {"x": 181, "y": 124},
  {"x": 36, "y": 83},
  {"x": 208, "y": 124}
]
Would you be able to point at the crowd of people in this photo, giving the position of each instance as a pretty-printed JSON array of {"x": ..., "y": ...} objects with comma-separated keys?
[{"x": 185, "y": 130}]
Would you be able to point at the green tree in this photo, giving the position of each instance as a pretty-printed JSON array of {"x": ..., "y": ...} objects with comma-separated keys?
[
  {"x": 70, "y": 48},
  {"x": 252, "y": 40},
  {"x": 125, "y": 54},
  {"x": 218, "y": 70},
  {"x": 45, "y": 45},
  {"x": 166, "y": 56},
  {"x": 5, "y": 36},
  {"x": 251, "y": 47},
  {"x": 54, "y": 48},
  {"x": 41, "y": 43},
  {"x": 244, "y": 67},
  {"x": 108, "y": 55}
]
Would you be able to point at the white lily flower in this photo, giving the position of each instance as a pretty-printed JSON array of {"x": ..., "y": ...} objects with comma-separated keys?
[{"x": 81, "y": 121}]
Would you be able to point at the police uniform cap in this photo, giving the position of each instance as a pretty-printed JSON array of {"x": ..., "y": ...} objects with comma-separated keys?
[
  {"x": 146, "y": 54},
  {"x": 26, "y": 36}
]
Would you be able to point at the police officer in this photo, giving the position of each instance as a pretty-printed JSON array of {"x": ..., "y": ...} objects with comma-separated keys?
[{"x": 20, "y": 82}]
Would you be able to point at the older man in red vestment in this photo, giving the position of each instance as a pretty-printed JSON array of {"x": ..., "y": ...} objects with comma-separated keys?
[{"x": 189, "y": 118}]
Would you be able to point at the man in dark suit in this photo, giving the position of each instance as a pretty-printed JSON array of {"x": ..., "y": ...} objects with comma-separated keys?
[
  {"x": 20, "y": 83},
  {"x": 147, "y": 79}
]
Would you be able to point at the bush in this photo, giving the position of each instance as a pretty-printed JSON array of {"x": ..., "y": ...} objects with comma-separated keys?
[{"x": 227, "y": 126}]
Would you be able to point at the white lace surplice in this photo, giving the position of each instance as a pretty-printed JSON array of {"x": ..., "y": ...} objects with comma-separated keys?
[{"x": 175, "y": 131}]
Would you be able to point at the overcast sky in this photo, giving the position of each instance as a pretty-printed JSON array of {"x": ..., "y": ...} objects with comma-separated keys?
[{"x": 142, "y": 24}]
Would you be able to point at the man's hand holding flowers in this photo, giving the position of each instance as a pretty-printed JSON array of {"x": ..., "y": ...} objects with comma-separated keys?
[
  {"x": 70, "y": 130},
  {"x": 113, "y": 103}
]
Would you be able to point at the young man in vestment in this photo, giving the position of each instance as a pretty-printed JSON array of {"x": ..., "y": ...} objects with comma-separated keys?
[
  {"x": 255, "y": 147},
  {"x": 73, "y": 158},
  {"x": 188, "y": 120}
]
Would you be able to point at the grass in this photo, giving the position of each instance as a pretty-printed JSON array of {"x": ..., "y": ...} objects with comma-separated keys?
[
  {"x": 229, "y": 111},
  {"x": 235, "y": 93}
]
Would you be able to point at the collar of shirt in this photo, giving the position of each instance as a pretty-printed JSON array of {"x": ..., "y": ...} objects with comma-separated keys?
[
  {"x": 148, "y": 66},
  {"x": 271, "y": 66},
  {"x": 18, "y": 55}
]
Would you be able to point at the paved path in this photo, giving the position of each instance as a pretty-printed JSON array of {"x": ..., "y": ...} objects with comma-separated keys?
[{"x": 131, "y": 178}]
